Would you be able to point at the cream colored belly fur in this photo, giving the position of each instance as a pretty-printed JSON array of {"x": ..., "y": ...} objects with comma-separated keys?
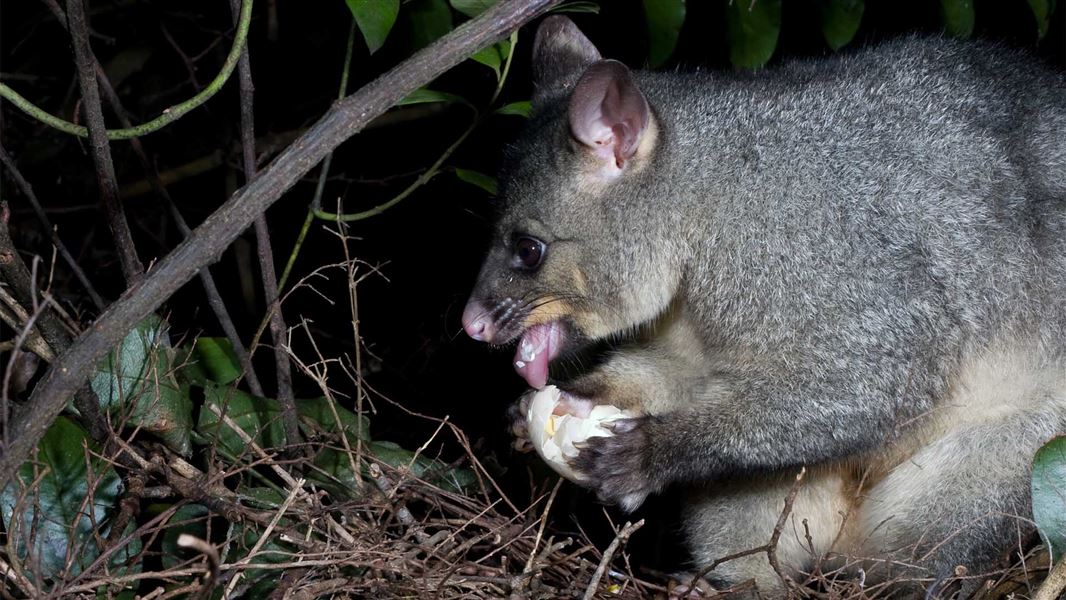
[{"x": 962, "y": 468}]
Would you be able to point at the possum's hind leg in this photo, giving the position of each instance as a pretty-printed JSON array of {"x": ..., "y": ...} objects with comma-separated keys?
[
  {"x": 961, "y": 498},
  {"x": 728, "y": 517}
]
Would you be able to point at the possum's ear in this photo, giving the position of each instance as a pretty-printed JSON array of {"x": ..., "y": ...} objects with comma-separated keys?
[
  {"x": 609, "y": 115},
  {"x": 561, "y": 53}
]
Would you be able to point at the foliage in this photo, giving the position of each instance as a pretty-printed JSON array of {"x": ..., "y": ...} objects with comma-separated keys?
[
  {"x": 375, "y": 19},
  {"x": 60, "y": 501},
  {"x": 136, "y": 384},
  {"x": 1049, "y": 495},
  {"x": 840, "y": 20},
  {"x": 664, "y": 18}
]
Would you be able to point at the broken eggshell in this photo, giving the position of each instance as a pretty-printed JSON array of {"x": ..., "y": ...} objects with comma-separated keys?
[{"x": 554, "y": 435}]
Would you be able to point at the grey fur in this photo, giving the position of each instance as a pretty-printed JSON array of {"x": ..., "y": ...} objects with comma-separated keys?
[{"x": 827, "y": 257}]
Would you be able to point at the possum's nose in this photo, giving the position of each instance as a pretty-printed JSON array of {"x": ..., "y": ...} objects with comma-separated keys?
[{"x": 477, "y": 322}]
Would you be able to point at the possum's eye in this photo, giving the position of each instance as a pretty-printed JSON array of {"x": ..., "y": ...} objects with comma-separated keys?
[{"x": 528, "y": 253}]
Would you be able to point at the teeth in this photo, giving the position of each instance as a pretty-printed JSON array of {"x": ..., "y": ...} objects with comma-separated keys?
[
  {"x": 520, "y": 364},
  {"x": 528, "y": 351}
]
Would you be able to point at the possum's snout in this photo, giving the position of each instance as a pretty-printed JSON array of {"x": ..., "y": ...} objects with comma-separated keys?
[
  {"x": 478, "y": 322},
  {"x": 538, "y": 346}
]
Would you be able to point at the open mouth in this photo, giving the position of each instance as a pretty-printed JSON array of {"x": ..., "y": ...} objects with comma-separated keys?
[{"x": 538, "y": 346}]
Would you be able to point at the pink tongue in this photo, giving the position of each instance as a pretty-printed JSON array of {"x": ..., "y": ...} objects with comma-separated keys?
[{"x": 538, "y": 346}]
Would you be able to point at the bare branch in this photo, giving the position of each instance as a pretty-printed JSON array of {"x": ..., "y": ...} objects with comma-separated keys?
[
  {"x": 132, "y": 268},
  {"x": 278, "y": 329},
  {"x": 27, "y": 190},
  {"x": 608, "y": 555},
  {"x": 1055, "y": 583}
]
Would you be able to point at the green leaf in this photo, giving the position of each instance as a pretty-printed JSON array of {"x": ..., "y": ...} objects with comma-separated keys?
[
  {"x": 340, "y": 481},
  {"x": 493, "y": 56},
  {"x": 664, "y": 19},
  {"x": 137, "y": 385},
  {"x": 55, "y": 514},
  {"x": 472, "y": 8},
  {"x": 958, "y": 17},
  {"x": 191, "y": 519},
  {"x": 421, "y": 466},
  {"x": 425, "y": 96},
  {"x": 753, "y": 27},
  {"x": 521, "y": 108},
  {"x": 490, "y": 57},
  {"x": 218, "y": 359},
  {"x": 840, "y": 20},
  {"x": 260, "y": 418},
  {"x": 264, "y": 496},
  {"x": 1049, "y": 495},
  {"x": 375, "y": 19},
  {"x": 1042, "y": 11},
  {"x": 481, "y": 180},
  {"x": 429, "y": 21}
]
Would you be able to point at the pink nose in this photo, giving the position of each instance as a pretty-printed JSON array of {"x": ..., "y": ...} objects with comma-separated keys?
[{"x": 477, "y": 322}]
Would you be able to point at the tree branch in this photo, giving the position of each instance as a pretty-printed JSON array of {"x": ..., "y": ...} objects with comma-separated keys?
[
  {"x": 22, "y": 284},
  {"x": 344, "y": 120}
]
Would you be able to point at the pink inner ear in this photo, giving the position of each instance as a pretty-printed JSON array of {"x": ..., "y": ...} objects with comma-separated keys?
[{"x": 608, "y": 113}]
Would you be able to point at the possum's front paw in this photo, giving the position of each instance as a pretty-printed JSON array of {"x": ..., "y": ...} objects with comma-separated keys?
[
  {"x": 519, "y": 423},
  {"x": 618, "y": 467}
]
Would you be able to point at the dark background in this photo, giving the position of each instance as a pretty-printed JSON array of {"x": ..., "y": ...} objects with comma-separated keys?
[{"x": 427, "y": 248}]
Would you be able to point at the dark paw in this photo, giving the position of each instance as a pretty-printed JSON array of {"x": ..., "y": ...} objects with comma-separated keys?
[
  {"x": 618, "y": 467},
  {"x": 519, "y": 426}
]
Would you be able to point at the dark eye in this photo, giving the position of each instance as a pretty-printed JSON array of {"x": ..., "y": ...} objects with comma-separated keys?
[{"x": 528, "y": 253}]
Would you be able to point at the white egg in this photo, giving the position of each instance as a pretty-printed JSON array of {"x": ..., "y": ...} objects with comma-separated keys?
[{"x": 554, "y": 436}]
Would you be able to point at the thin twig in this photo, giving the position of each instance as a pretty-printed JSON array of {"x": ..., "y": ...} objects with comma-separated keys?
[
  {"x": 265, "y": 536},
  {"x": 289, "y": 418},
  {"x": 543, "y": 524},
  {"x": 16, "y": 317},
  {"x": 608, "y": 555},
  {"x": 132, "y": 269},
  {"x": 23, "y": 285},
  {"x": 156, "y": 183},
  {"x": 27, "y": 191},
  {"x": 775, "y": 537},
  {"x": 169, "y": 115}
]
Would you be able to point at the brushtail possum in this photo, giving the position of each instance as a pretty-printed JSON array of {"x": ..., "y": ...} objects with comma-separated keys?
[{"x": 855, "y": 264}]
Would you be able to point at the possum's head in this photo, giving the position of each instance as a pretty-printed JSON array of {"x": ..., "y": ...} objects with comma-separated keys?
[{"x": 579, "y": 252}]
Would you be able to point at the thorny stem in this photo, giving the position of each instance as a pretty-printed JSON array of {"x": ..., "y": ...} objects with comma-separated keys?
[
  {"x": 169, "y": 115},
  {"x": 266, "y": 256},
  {"x": 132, "y": 269}
]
